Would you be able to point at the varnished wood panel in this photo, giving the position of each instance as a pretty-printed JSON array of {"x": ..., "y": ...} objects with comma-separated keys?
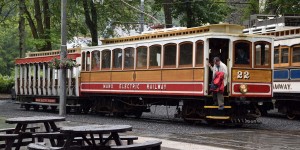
[
  {"x": 146, "y": 76},
  {"x": 85, "y": 76},
  {"x": 198, "y": 74},
  {"x": 95, "y": 76},
  {"x": 254, "y": 75},
  {"x": 100, "y": 76},
  {"x": 177, "y": 75},
  {"x": 122, "y": 76}
]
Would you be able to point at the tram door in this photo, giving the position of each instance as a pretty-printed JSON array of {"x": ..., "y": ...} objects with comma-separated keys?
[{"x": 218, "y": 48}]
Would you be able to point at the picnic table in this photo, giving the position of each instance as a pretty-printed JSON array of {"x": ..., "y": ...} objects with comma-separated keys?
[
  {"x": 48, "y": 121},
  {"x": 22, "y": 123},
  {"x": 92, "y": 130}
]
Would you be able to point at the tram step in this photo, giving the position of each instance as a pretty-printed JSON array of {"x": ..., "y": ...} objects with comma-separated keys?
[
  {"x": 218, "y": 117},
  {"x": 216, "y": 107}
]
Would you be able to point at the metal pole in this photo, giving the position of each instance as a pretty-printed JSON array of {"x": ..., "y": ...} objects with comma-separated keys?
[
  {"x": 63, "y": 56},
  {"x": 142, "y": 21}
]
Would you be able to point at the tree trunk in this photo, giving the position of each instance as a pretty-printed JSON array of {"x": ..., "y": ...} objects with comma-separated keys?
[
  {"x": 31, "y": 25},
  {"x": 168, "y": 13},
  {"x": 39, "y": 21},
  {"x": 47, "y": 24},
  {"x": 21, "y": 28},
  {"x": 189, "y": 14},
  {"x": 91, "y": 23}
]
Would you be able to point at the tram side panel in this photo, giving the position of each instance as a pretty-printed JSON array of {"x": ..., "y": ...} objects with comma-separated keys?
[
  {"x": 286, "y": 91},
  {"x": 148, "y": 86}
]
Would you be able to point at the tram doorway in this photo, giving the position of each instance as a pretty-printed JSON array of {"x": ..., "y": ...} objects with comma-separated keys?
[{"x": 218, "y": 48}]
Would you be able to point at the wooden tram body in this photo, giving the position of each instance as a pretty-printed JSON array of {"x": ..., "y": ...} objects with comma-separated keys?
[
  {"x": 125, "y": 76},
  {"x": 286, "y": 83}
]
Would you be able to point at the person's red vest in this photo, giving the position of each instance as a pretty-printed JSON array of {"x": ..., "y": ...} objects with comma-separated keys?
[{"x": 219, "y": 82}]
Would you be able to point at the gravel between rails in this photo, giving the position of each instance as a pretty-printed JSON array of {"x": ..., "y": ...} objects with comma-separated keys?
[{"x": 177, "y": 130}]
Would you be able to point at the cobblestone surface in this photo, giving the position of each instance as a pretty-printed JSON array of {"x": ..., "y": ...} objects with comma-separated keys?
[{"x": 275, "y": 132}]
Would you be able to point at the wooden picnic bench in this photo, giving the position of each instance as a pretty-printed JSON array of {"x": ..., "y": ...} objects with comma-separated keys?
[
  {"x": 22, "y": 123},
  {"x": 148, "y": 145}
]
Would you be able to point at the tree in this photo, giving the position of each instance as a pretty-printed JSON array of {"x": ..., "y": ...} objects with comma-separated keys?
[
  {"x": 168, "y": 13},
  {"x": 91, "y": 19},
  {"x": 166, "y": 6},
  {"x": 40, "y": 26},
  {"x": 197, "y": 13},
  {"x": 276, "y": 7},
  {"x": 251, "y": 9},
  {"x": 22, "y": 28}
]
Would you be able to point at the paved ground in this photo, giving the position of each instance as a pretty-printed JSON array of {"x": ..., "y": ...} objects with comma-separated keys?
[{"x": 275, "y": 132}]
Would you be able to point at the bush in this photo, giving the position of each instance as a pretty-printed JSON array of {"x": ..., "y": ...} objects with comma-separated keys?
[{"x": 6, "y": 84}]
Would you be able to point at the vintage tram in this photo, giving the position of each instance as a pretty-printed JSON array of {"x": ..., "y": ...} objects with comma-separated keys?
[
  {"x": 287, "y": 70},
  {"x": 127, "y": 75}
]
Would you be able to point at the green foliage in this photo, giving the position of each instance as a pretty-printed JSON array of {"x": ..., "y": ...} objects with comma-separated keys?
[
  {"x": 6, "y": 84},
  {"x": 195, "y": 13},
  {"x": 252, "y": 8},
  {"x": 282, "y": 7}
]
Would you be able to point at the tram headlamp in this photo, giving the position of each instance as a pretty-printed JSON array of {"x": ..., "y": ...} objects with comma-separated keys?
[{"x": 243, "y": 88}]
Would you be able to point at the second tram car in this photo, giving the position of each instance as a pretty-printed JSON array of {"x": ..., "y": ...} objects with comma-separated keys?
[
  {"x": 127, "y": 75},
  {"x": 287, "y": 70}
]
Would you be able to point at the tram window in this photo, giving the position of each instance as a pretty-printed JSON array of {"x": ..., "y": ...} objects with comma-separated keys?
[
  {"x": 83, "y": 61},
  {"x": 155, "y": 56},
  {"x": 141, "y": 57},
  {"x": 95, "y": 60},
  {"x": 186, "y": 54},
  {"x": 284, "y": 55},
  {"x": 88, "y": 61},
  {"x": 262, "y": 54},
  {"x": 242, "y": 51},
  {"x": 276, "y": 56},
  {"x": 296, "y": 54},
  {"x": 117, "y": 58},
  {"x": 129, "y": 58},
  {"x": 106, "y": 56},
  {"x": 170, "y": 55},
  {"x": 199, "y": 53}
]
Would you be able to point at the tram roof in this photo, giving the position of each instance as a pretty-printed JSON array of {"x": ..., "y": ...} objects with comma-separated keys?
[
  {"x": 174, "y": 32},
  {"x": 47, "y": 56}
]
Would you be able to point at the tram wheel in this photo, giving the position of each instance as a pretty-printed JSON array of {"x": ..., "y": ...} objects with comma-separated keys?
[
  {"x": 138, "y": 114},
  {"x": 189, "y": 121},
  {"x": 68, "y": 109},
  {"x": 44, "y": 108},
  {"x": 118, "y": 114},
  {"x": 36, "y": 107},
  {"x": 53, "y": 108},
  {"x": 211, "y": 122},
  {"x": 27, "y": 107},
  {"x": 290, "y": 116}
]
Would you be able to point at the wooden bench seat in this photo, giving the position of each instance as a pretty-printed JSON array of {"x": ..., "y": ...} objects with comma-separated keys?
[
  {"x": 11, "y": 130},
  {"x": 127, "y": 138},
  {"x": 41, "y": 146},
  {"x": 52, "y": 136},
  {"x": 10, "y": 140},
  {"x": 148, "y": 145}
]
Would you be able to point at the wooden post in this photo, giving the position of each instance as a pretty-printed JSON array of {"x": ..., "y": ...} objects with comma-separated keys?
[
  {"x": 29, "y": 80},
  {"x": 34, "y": 87}
]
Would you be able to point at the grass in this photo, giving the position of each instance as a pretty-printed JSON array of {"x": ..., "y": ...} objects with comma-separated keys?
[{"x": 5, "y": 125}]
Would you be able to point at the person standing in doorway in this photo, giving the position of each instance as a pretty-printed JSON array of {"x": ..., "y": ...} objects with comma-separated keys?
[{"x": 219, "y": 73}]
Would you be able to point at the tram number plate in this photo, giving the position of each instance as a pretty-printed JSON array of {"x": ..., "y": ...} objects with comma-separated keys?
[
  {"x": 243, "y": 75},
  {"x": 45, "y": 100}
]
